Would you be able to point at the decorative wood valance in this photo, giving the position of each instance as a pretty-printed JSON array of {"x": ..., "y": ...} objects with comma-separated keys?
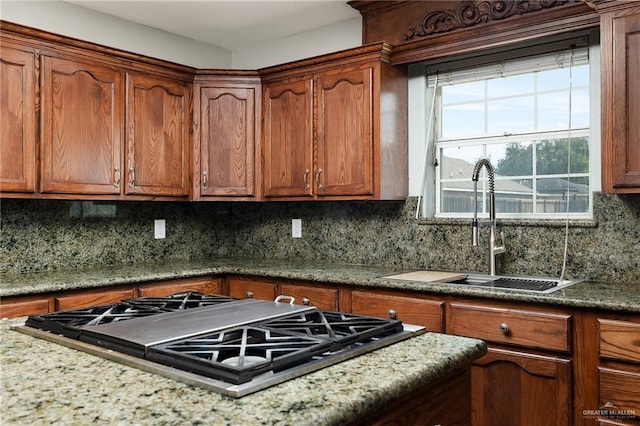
[{"x": 470, "y": 13}]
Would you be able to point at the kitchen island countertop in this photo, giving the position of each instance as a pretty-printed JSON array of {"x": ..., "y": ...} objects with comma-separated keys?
[
  {"x": 46, "y": 383},
  {"x": 613, "y": 296}
]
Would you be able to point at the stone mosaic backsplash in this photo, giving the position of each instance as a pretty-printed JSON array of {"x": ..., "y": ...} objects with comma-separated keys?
[{"x": 42, "y": 235}]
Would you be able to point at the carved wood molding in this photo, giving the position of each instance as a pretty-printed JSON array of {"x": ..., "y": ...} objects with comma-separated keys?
[{"x": 470, "y": 13}]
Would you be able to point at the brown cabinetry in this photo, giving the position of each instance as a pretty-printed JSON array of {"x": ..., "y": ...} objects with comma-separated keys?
[
  {"x": 620, "y": 41},
  {"x": 325, "y": 298},
  {"x": 247, "y": 288},
  {"x": 226, "y": 157},
  {"x": 17, "y": 120},
  {"x": 81, "y": 129},
  {"x": 428, "y": 313},
  {"x": 92, "y": 298},
  {"x": 515, "y": 383},
  {"x": 158, "y": 124},
  {"x": 205, "y": 285},
  {"x": 335, "y": 127}
]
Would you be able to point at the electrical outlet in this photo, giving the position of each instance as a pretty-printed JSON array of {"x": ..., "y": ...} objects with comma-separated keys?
[
  {"x": 296, "y": 228},
  {"x": 159, "y": 229}
]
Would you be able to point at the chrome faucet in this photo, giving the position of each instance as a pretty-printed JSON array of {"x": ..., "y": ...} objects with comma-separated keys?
[{"x": 494, "y": 247}]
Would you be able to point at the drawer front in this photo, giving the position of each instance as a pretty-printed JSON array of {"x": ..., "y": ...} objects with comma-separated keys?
[
  {"x": 23, "y": 308},
  {"x": 620, "y": 389},
  {"x": 619, "y": 340},
  {"x": 409, "y": 310},
  {"x": 86, "y": 299},
  {"x": 248, "y": 289},
  {"x": 511, "y": 326},
  {"x": 201, "y": 285},
  {"x": 321, "y": 298}
]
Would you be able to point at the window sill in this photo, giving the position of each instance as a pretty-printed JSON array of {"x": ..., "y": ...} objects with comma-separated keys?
[{"x": 541, "y": 223}]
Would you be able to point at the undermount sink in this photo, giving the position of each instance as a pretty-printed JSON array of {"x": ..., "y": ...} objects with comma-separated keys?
[{"x": 502, "y": 282}]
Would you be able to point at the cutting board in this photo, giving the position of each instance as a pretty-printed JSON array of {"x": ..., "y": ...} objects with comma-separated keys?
[{"x": 428, "y": 276}]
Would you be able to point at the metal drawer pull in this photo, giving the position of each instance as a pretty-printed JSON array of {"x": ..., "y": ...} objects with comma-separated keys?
[
  {"x": 392, "y": 314},
  {"x": 283, "y": 297},
  {"x": 504, "y": 328},
  {"x": 132, "y": 177},
  {"x": 116, "y": 183},
  {"x": 318, "y": 183},
  {"x": 305, "y": 178},
  {"x": 205, "y": 179},
  {"x": 249, "y": 295},
  {"x": 306, "y": 301}
]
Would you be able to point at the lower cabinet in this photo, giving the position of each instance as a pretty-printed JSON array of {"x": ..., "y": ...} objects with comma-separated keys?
[
  {"x": 92, "y": 298},
  {"x": 205, "y": 285},
  {"x": 250, "y": 288},
  {"x": 325, "y": 298}
]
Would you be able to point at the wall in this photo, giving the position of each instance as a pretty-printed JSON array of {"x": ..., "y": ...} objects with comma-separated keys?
[{"x": 40, "y": 235}]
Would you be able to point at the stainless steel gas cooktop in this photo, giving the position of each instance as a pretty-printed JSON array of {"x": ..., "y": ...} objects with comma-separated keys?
[{"x": 231, "y": 346}]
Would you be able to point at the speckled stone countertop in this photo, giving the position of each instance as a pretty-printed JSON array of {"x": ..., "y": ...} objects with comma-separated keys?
[
  {"x": 614, "y": 296},
  {"x": 46, "y": 383}
]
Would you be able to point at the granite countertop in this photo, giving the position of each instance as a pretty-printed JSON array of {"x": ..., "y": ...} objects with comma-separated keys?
[
  {"x": 613, "y": 296},
  {"x": 46, "y": 383}
]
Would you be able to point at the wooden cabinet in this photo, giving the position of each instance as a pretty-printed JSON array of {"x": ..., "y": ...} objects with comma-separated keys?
[
  {"x": 92, "y": 298},
  {"x": 25, "y": 305},
  {"x": 620, "y": 56},
  {"x": 619, "y": 370},
  {"x": 17, "y": 120},
  {"x": 428, "y": 313},
  {"x": 81, "y": 129},
  {"x": 514, "y": 383},
  {"x": 248, "y": 288},
  {"x": 205, "y": 285},
  {"x": 335, "y": 127},
  {"x": 226, "y": 156},
  {"x": 158, "y": 124},
  {"x": 325, "y": 298}
]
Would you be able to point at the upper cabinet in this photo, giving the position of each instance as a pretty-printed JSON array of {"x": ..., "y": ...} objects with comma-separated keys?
[
  {"x": 157, "y": 136},
  {"x": 335, "y": 127},
  {"x": 17, "y": 120},
  {"x": 81, "y": 128},
  {"x": 620, "y": 41},
  {"x": 226, "y": 157}
]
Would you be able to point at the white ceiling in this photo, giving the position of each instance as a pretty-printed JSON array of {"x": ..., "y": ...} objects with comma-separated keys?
[{"x": 230, "y": 24}]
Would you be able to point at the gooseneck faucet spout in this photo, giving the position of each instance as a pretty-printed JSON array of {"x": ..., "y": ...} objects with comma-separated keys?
[{"x": 494, "y": 247}]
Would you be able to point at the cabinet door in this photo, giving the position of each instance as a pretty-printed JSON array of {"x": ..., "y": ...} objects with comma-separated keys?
[
  {"x": 81, "y": 127},
  {"x": 92, "y": 298},
  {"x": 325, "y": 298},
  {"x": 157, "y": 136},
  {"x": 241, "y": 288},
  {"x": 345, "y": 134},
  {"x": 17, "y": 121},
  {"x": 288, "y": 139},
  {"x": 202, "y": 285},
  {"x": 227, "y": 141},
  {"x": 621, "y": 101},
  {"x": 518, "y": 388}
]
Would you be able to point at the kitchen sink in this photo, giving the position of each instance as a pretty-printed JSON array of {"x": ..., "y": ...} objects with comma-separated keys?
[{"x": 502, "y": 282}]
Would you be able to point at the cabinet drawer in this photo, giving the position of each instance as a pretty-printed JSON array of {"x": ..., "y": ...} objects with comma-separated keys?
[
  {"x": 247, "y": 289},
  {"x": 528, "y": 328},
  {"x": 24, "y": 307},
  {"x": 619, "y": 340},
  {"x": 202, "y": 285},
  {"x": 410, "y": 310},
  {"x": 85, "y": 299},
  {"x": 620, "y": 389},
  {"x": 321, "y": 298}
]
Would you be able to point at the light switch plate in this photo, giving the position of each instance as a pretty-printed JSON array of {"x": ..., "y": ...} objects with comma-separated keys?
[
  {"x": 296, "y": 228},
  {"x": 159, "y": 229}
]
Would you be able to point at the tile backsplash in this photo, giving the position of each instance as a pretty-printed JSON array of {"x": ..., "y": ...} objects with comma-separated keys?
[{"x": 42, "y": 235}]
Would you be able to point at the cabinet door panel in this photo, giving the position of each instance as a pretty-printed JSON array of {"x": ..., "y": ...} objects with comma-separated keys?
[
  {"x": 248, "y": 289},
  {"x": 92, "y": 298},
  {"x": 345, "y": 135},
  {"x": 158, "y": 134},
  {"x": 621, "y": 389},
  {"x": 81, "y": 127},
  {"x": 17, "y": 121},
  {"x": 201, "y": 285},
  {"x": 288, "y": 139},
  {"x": 519, "y": 388},
  {"x": 321, "y": 297},
  {"x": 227, "y": 141}
]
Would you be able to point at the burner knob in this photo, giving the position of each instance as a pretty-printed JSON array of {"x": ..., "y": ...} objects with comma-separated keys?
[
  {"x": 392, "y": 314},
  {"x": 249, "y": 294},
  {"x": 306, "y": 301}
]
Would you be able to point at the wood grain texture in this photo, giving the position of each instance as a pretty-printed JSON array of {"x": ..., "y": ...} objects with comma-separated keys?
[
  {"x": 619, "y": 340},
  {"x": 243, "y": 288},
  {"x": 81, "y": 133},
  {"x": 321, "y": 297},
  {"x": 17, "y": 121},
  {"x": 621, "y": 389},
  {"x": 205, "y": 285}
]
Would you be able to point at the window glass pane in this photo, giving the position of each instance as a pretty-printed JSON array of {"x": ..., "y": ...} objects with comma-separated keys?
[
  {"x": 580, "y": 76},
  {"x": 456, "y": 197},
  {"x": 580, "y": 108},
  {"x": 579, "y": 155},
  {"x": 512, "y": 159},
  {"x": 463, "y": 120},
  {"x": 458, "y": 161},
  {"x": 552, "y": 195},
  {"x": 511, "y": 115},
  {"x": 510, "y": 202},
  {"x": 553, "y": 111},
  {"x": 463, "y": 92},
  {"x": 553, "y": 79},
  {"x": 510, "y": 86}
]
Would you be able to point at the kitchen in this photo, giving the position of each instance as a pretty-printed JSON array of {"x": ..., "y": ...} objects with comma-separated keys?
[{"x": 41, "y": 235}]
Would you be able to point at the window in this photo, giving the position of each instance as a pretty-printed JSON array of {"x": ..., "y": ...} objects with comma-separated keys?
[{"x": 530, "y": 117}]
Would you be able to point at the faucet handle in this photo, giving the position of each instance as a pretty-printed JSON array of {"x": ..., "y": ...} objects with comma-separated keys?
[{"x": 500, "y": 247}]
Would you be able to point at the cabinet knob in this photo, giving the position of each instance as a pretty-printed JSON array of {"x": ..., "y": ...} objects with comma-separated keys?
[
  {"x": 504, "y": 328},
  {"x": 306, "y": 301},
  {"x": 392, "y": 314},
  {"x": 249, "y": 294}
]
